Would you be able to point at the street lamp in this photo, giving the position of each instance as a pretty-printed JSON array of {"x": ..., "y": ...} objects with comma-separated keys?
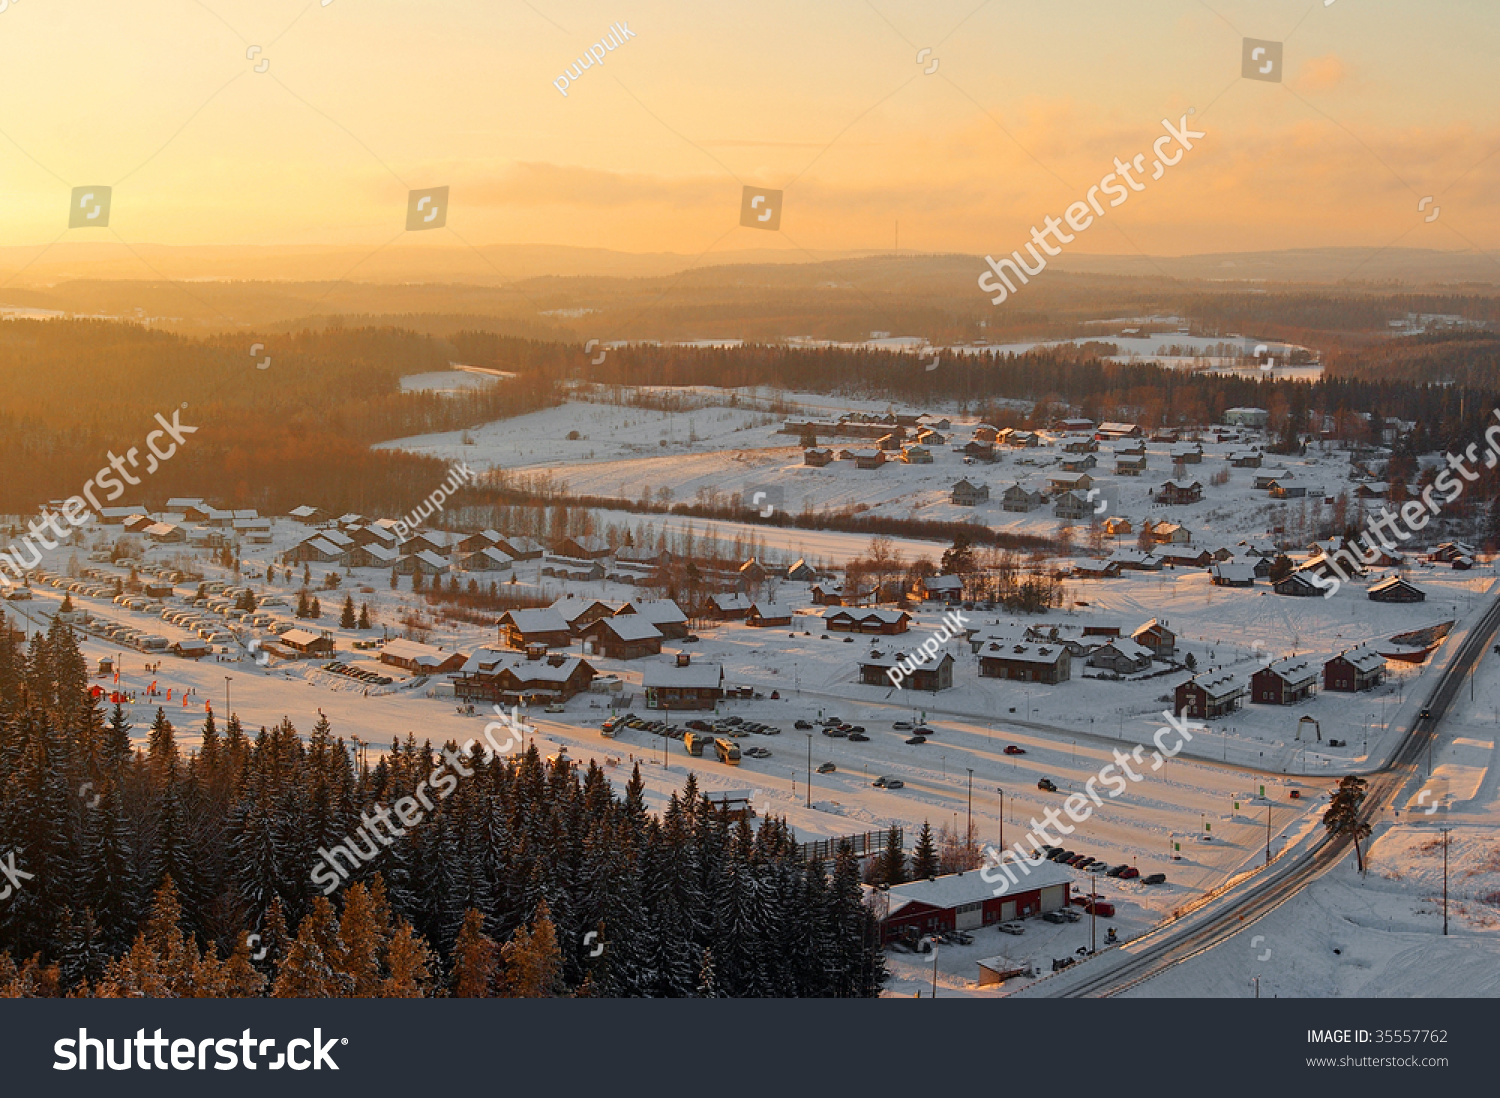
[
  {"x": 1445, "y": 831},
  {"x": 226, "y": 696},
  {"x": 809, "y": 770},
  {"x": 1001, "y": 791},
  {"x": 969, "y": 821}
]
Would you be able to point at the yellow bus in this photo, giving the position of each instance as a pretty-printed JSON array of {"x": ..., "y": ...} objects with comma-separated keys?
[
  {"x": 728, "y": 750},
  {"x": 692, "y": 743}
]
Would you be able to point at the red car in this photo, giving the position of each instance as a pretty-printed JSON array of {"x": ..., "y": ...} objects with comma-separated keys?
[
  {"x": 1129, "y": 873},
  {"x": 1012, "y": 749},
  {"x": 1099, "y": 907}
]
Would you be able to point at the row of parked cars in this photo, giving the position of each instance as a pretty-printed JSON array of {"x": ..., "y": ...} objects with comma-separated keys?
[
  {"x": 1090, "y": 864},
  {"x": 340, "y": 668}
]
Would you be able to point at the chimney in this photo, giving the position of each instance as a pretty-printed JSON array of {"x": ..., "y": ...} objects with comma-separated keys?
[{"x": 684, "y": 659}]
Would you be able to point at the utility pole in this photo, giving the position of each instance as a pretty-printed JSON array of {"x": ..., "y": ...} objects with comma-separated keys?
[
  {"x": 1445, "y": 879},
  {"x": 1268, "y": 833},
  {"x": 969, "y": 820},
  {"x": 226, "y": 696},
  {"x": 809, "y": 772},
  {"x": 1002, "y": 816},
  {"x": 1093, "y": 912}
]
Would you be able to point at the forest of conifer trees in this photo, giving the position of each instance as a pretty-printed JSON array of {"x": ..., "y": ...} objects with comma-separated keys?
[{"x": 155, "y": 872}]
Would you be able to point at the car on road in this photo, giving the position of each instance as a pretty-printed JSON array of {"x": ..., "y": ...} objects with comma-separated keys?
[
  {"x": 858, "y": 737},
  {"x": 1047, "y": 785},
  {"x": 1154, "y": 879},
  {"x": 826, "y": 768},
  {"x": 836, "y": 733},
  {"x": 923, "y": 730},
  {"x": 902, "y": 726},
  {"x": 1012, "y": 749},
  {"x": 1012, "y": 928},
  {"x": 1425, "y": 715},
  {"x": 801, "y": 725},
  {"x": 916, "y": 739},
  {"x": 888, "y": 783}
]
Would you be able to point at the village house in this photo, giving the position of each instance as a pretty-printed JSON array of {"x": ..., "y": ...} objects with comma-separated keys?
[
  {"x": 488, "y": 559},
  {"x": 420, "y": 659},
  {"x": 578, "y": 612},
  {"x": 683, "y": 684},
  {"x": 1127, "y": 466},
  {"x": 1122, "y": 656},
  {"x": 477, "y": 543},
  {"x": 665, "y": 614},
  {"x": 1019, "y": 499},
  {"x": 970, "y": 495},
  {"x": 295, "y": 643},
  {"x": 1072, "y": 505},
  {"x": 1174, "y": 492},
  {"x": 867, "y": 620},
  {"x": 523, "y": 629},
  {"x": 728, "y": 606},
  {"x": 1047, "y": 663},
  {"x": 979, "y": 451},
  {"x": 426, "y": 562},
  {"x": 1396, "y": 589},
  {"x": 1112, "y": 431},
  {"x": 1135, "y": 560},
  {"x": 1297, "y": 585},
  {"x": 1353, "y": 670},
  {"x": 941, "y": 589},
  {"x": 1234, "y": 574},
  {"x": 507, "y": 678},
  {"x": 1285, "y": 682},
  {"x": 1182, "y": 557},
  {"x": 619, "y": 637},
  {"x": 1115, "y": 526},
  {"x": 1070, "y": 482},
  {"x": 933, "y": 675},
  {"x": 869, "y": 459},
  {"x": 373, "y": 555},
  {"x": 1154, "y": 636},
  {"x": 1170, "y": 533},
  {"x": 768, "y": 615},
  {"x": 1204, "y": 697},
  {"x": 1078, "y": 464},
  {"x": 914, "y": 454},
  {"x": 1245, "y": 459},
  {"x": 827, "y": 594},
  {"x": 817, "y": 456}
]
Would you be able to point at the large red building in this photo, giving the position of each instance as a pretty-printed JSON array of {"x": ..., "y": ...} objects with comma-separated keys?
[{"x": 963, "y": 901}]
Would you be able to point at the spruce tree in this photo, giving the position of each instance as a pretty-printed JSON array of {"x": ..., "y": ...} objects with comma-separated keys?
[
  {"x": 347, "y": 619},
  {"x": 924, "y": 856}
]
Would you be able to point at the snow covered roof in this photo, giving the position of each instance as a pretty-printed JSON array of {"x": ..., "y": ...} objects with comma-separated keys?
[
  {"x": 1363, "y": 658},
  {"x": 1046, "y": 654},
  {"x": 695, "y": 676},
  {"x": 1294, "y": 670},
  {"x": 490, "y": 661},
  {"x": 535, "y": 621},
  {"x": 656, "y": 611},
  {"x": 423, "y": 655},
  {"x": 630, "y": 627},
  {"x": 957, "y": 889}
]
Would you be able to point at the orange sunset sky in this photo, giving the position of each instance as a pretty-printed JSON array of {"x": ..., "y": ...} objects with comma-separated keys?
[{"x": 1383, "y": 103}]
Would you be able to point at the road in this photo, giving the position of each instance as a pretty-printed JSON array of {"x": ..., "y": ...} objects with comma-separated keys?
[{"x": 1260, "y": 894}]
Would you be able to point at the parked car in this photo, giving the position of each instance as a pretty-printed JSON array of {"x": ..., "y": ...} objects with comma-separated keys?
[
  {"x": 1012, "y": 749},
  {"x": 1129, "y": 873},
  {"x": 1048, "y": 785},
  {"x": 1154, "y": 879},
  {"x": 1054, "y": 916},
  {"x": 826, "y": 768},
  {"x": 905, "y": 726},
  {"x": 1012, "y": 928},
  {"x": 801, "y": 725},
  {"x": 1099, "y": 907},
  {"x": 1115, "y": 871},
  {"x": 835, "y": 733},
  {"x": 917, "y": 739},
  {"x": 888, "y": 783},
  {"x": 1072, "y": 916},
  {"x": 858, "y": 737}
]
